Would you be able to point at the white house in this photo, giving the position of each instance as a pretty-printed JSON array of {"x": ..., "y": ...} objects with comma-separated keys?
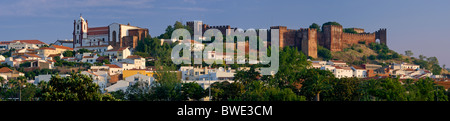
[
  {"x": 26, "y": 44},
  {"x": 100, "y": 49},
  {"x": 114, "y": 69},
  {"x": 343, "y": 72},
  {"x": 140, "y": 78},
  {"x": 4, "y": 45},
  {"x": 100, "y": 80},
  {"x": 67, "y": 43},
  {"x": 359, "y": 72},
  {"x": 327, "y": 67},
  {"x": 337, "y": 63},
  {"x": 120, "y": 85},
  {"x": 137, "y": 61}
]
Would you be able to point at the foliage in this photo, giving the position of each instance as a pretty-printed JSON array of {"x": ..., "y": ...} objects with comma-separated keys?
[
  {"x": 409, "y": 53},
  {"x": 77, "y": 87},
  {"x": 350, "y": 30},
  {"x": 170, "y": 29},
  {"x": 331, "y": 23},
  {"x": 69, "y": 53},
  {"x": 192, "y": 91},
  {"x": 314, "y": 82},
  {"x": 224, "y": 91},
  {"x": 83, "y": 50},
  {"x": 36, "y": 72},
  {"x": 315, "y": 26},
  {"x": 324, "y": 53},
  {"x": 25, "y": 64}
]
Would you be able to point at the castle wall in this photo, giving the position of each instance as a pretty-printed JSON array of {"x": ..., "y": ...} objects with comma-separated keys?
[{"x": 349, "y": 38}]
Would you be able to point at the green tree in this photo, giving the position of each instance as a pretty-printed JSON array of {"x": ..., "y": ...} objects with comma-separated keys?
[
  {"x": 315, "y": 26},
  {"x": 292, "y": 64},
  {"x": 77, "y": 87},
  {"x": 350, "y": 30},
  {"x": 344, "y": 89},
  {"x": 331, "y": 23},
  {"x": 69, "y": 53},
  {"x": 409, "y": 53},
  {"x": 324, "y": 53},
  {"x": 83, "y": 50},
  {"x": 315, "y": 82},
  {"x": 192, "y": 91}
]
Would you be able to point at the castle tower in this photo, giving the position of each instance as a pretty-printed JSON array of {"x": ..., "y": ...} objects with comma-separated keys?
[
  {"x": 309, "y": 42},
  {"x": 332, "y": 37},
  {"x": 282, "y": 32},
  {"x": 381, "y": 35},
  {"x": 80, "y": 28}
]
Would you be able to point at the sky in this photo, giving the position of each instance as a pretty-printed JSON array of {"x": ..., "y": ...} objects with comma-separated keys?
[{"x": 418, "y": 25}]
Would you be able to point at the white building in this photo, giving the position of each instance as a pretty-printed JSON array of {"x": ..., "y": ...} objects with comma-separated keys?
[
  {"x": 67, "y": 43},
  {"x": 337, "y": 63},
  {"x": 99, "y": 49},
  {"x": 359, "y": 72},
  {"x": 98, "y": 79},
  {"x": 113, "y": 34},
  {"x": 191, "y": 74},
  {"x": 4, "y": 45},
  {"x": 26, "y": 44},
  {"x": 343, "y": 72},
  {"x": 120, "y": 85},
  {"x": 140, "y": 78}
]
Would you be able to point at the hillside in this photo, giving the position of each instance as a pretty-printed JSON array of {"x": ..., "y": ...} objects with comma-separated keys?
[{"x": 373, "y": 53}]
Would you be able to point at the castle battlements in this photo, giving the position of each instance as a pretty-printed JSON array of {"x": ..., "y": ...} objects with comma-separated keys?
[{"x": 306, "y": 40}]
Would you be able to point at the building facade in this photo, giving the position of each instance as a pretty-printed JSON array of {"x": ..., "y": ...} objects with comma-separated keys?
[{"x": 117, "y": 35}]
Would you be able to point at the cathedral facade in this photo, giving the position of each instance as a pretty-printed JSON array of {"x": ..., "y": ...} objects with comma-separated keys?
[{"x": 116, "y": 35}]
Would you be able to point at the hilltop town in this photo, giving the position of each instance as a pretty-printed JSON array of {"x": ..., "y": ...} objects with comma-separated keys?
[{"x": 117, "y": 57}]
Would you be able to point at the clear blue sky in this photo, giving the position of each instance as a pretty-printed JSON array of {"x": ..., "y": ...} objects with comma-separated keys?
[{"x": 421, "y": 26}]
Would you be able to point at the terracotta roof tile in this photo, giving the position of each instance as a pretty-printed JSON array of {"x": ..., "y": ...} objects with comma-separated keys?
[
  {"x": 29, "y": 41},
  {"x": 112, "y": 66},
  {"x": 134, "y": 57},
  {"x": 62, "y": 47},
  {"x": 5, "y": 70}
]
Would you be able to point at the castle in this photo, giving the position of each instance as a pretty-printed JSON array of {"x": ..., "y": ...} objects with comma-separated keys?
[
  {"x": 306, "y": 40},
  {"x": 116, "y": 35}
]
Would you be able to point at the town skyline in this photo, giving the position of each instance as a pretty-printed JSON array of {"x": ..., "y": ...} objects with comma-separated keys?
[{"x": 411, "y": 25}]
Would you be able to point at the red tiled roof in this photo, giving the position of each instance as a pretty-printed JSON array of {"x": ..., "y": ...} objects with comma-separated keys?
[
  {"x": 32, "y": 55},
  {"x": 5, "y": 70},
  {"x": 93, "y": 46},
  {"x": 358, "y": 67},
  {"x": 29, "y": 41},
  {"x": 134, "y": 57},
  {"x": 345, "y": 68},
  {"x": 98, "y": 31},
  {"x": 62, "y": 47},
  {"x": 102, "y": 58},
  {"x": 112, "y": 66},
  {"x": 118, "y": 49},
  {"x": 5, "y": 42}
]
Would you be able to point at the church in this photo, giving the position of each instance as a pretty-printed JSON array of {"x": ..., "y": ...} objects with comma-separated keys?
[{"x": 116, "y": 35}]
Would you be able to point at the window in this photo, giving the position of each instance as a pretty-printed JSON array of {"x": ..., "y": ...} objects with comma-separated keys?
[
  {"x": 78, "y": 27},
  {"x": 114, "y": 36}
]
